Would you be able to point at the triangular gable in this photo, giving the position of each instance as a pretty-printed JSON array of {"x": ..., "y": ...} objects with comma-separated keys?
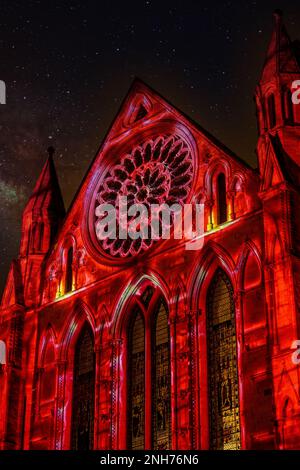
[
  {"x": 278, "y": 166},
  {"x": 156, "y": 110},
  {"x": 139, "y": 106},
  {"x": 156, "y": 106},
  {"x": 286, "y": 383},
  {"x": 272, "y": 174}
]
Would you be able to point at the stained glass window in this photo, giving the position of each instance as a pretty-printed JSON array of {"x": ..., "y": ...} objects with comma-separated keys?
[
  {"x": 157, "y": 171},
  {"x": 222, "y": 365},
  {"x": 161, "y": 397},
  {"x": 137, "y": 383},
  {"x": 84, "y": 392},
  {"x": 157, "y": 368}
]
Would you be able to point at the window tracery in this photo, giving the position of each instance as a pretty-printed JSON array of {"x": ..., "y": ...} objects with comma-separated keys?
[{"x": 222, "y": 365}]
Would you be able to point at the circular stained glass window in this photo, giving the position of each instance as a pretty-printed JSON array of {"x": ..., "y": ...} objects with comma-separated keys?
[{"x": 160, "y": 171}]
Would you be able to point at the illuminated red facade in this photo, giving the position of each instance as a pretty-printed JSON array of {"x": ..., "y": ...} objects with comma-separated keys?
[{"x": 131, "y": 344}]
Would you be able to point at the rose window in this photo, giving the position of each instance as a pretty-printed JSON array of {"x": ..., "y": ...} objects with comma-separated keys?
[{"x": 158, "y": 172}]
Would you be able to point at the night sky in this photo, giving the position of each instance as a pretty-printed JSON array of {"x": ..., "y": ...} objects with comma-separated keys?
[{"x": 68, "y": 65}]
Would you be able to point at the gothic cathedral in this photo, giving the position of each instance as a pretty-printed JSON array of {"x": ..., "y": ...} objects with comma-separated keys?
[{"x": 142, "y": 344}]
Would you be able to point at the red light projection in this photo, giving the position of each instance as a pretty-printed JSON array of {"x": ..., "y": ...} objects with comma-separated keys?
[
  {"x": 158, "y": 172},
  {"x": 159, "y": 346}
]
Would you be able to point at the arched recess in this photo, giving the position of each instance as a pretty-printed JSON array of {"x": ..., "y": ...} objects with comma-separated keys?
[
  {"x": 46, "y": 388},
  {"x": 48, "y": 368},
  {"x": 68, "y": 264},
  {"x": 83, "y": 397},
  {"x": 238, "y": 203},
  {"x": 217, "y": 182},
  {"x": 80, "y": 318},
  {"x": 252, "y": 274},
  {"x": 253, "y": 307},
  {"x": 142, "y": 389},
  {"x": 216, "y": 166}
]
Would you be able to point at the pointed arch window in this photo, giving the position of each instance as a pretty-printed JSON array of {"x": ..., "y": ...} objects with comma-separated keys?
[
  {"x": 149, "y": 414},
  {"x": 82, "y": 437},
  {"x": 137, "y": 383},
  {"x": 221, "y": 199},
  {"x": 161, "y": 396},
  {"x": 271, "y": 110},
  {"x": 69, "y": 271},
  {"x": 222, "y": 365}
]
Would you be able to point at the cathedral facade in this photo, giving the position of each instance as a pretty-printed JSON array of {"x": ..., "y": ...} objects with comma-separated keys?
[{"x": 142, "y": 344}]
